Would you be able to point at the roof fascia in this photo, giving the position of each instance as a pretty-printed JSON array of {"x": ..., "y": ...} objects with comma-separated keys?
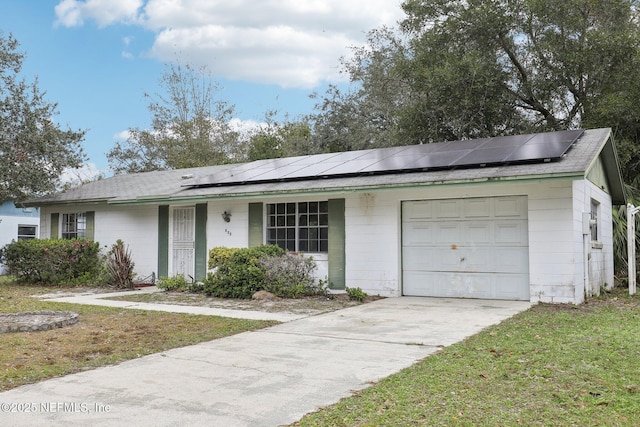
[
  {"x": 609, "y": 157},
  {"x": 36, "y": 204},
  {"x": 346, "y": 189}
]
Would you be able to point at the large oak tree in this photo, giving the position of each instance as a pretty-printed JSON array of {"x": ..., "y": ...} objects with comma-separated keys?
[{"x": 34, "y": 150}]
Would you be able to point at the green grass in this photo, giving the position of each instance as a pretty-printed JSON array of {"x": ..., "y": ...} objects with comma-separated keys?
[
  {"x": 103, "y": 336},
  {"x": 551, "y": 365}
]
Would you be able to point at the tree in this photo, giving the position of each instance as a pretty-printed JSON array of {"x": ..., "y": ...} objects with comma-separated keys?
[
  {"x": 273, "y": 140},
  {"x": 459, "y": 69},
  {"x": 366, "y": 115},
  {"x": 34, "y": 150},
  {"x": 190, "y": 128},
  {"x": 541, "y": 65}
]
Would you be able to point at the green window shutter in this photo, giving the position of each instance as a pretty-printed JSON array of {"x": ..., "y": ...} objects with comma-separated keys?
[
  {"x": 201, "y": 241},
  {"x": 337, "y": 257},
  {"x": 255, "y": 225},
  {"x": 163, "y": 241},
  {"x": 90, "y": 231},
  {"x": 55, "y": 220}
]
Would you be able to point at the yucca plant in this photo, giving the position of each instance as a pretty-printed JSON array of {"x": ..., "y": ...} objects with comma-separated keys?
[
  {"x": 120, "y": 266},
  {"x": 620, "y": 229}
]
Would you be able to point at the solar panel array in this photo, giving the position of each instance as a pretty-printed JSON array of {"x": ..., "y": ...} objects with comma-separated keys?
[{"x": 445, "y": 155}]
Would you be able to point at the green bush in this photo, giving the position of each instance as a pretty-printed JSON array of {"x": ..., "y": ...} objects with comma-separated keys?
[
  {"x": 175, "y": 283},
  {"x": 238, "y": 273},
  {"x": 356, "y": 294},
  {"x": 220, "y": 256},
  {"x": 54, "y": 261},
  {"x": 291, "y": 276}
]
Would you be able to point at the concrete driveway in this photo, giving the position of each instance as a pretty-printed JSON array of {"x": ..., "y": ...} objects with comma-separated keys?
[{"x": 264, "y": 378}]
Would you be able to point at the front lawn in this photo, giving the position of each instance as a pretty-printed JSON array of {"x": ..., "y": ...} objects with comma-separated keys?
[
  {"x": 552, "y": 365},
  {"x": 103, "y": 336}
]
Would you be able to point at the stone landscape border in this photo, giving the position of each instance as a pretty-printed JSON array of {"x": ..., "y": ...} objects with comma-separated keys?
[{"x": 36, "y": 321}]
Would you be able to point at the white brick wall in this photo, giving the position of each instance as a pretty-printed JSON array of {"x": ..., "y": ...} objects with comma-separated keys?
[
  {"x": 373, "y": 232},
  {"x": 136, "y": 226},
  {"x": 555, "y": 250}
]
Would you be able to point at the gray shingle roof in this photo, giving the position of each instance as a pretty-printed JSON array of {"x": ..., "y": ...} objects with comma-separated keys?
[{"x": 170, "y": 185}]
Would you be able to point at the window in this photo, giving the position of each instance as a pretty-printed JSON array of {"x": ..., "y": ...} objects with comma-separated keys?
[
  {"x": 299, "y": 227},
  {"x": 74, "y": 225},
  {"x": 595, "y": 207},
  {"x": 27, "y": 232}
]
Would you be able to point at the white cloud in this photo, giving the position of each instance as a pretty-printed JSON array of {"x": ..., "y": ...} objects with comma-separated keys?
[
  {"x": 122, "y": 136},
  {"x": 77, "y": 176},
  {"x": 73, "y": 13},
  {"x": 291, "y": 43}
]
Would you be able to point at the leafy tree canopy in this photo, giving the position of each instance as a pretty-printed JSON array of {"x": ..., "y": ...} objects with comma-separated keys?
[
  {"x": 190, "y": 127},
  {"x": 461, "y": 69},
  {"x": 34, "y": 150},
  {"x": 274, "y": 139}
]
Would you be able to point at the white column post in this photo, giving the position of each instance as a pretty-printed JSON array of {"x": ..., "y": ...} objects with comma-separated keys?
[{"x": 631, "y": 246}]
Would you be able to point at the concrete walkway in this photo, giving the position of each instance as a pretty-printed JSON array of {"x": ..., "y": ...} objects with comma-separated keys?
[{"x": 268, "y": 377}]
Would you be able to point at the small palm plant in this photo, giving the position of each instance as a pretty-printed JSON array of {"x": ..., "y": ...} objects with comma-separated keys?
[
  {"x": 120, "y": 266},
  {"x": 620, "y": 230}
]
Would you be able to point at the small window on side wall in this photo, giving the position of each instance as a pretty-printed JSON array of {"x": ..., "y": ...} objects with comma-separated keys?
[
  {"x": 27, "y": 232},
  {"x": 595, "y": 211}
]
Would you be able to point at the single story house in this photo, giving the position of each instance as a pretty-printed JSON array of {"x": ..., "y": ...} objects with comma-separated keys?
[
  {"x": 17, "y": 223},
  {"x": 523, "y": 217}
]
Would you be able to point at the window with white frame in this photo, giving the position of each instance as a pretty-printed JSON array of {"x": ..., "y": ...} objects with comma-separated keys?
[
  {"x": 27, "y": 232},
  {"x": 595, "y": 207},
  {"x": 74, "y": 225},
  {"x": 299, "y": 227}
]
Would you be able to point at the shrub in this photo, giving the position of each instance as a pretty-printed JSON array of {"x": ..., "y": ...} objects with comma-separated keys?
[
  {"x": 238, "y": 273},
  {"x": 356, "y": 294},
  {"x": 120, "y": 266},
  {"x": 54, "y": 261},
  {"x": 291, "y": 276},
  {"x": 175, "y": 283},
  {"x": 220, "y": 255}
]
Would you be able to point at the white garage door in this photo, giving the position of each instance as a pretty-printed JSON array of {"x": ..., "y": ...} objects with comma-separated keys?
[{"x": 470, "y": 248}]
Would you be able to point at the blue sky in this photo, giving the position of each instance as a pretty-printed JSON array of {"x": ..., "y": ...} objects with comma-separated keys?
[{"x": 97, "y": 58}]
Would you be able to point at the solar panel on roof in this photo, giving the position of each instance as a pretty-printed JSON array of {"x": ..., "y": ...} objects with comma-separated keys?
[{"x": 455, "y": 154}]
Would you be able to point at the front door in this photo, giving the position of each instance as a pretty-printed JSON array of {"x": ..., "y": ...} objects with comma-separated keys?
[{"x": 183, "y": 242}]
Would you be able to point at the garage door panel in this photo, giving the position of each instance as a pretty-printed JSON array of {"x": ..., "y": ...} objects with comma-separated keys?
[
  {"x": 456, "y": 285},
  {"x": 418, "y": 210},
  {"x": 470, "y": 248},
  {"x": 510, "y": 286},
  {"x": 448, "y": 208},
  {"x": 477, "y": 208},
  {"x": 511, "y": 232},
  {"x": 418, "y": 233},
  {"x": 510, "y": 260},
  {"x": 422, "y": 258},
  {"x": 448, "y": 233},
  {"x": 479, "y": 233}
]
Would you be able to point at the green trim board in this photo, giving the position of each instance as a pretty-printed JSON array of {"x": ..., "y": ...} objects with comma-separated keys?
[
  {"x": 54, "y": 231},
  {"x": 201, "y": 242},
  {"x": 163, "y": 241},
  {"x": 337, "y": 253},
  {"x": 90, "y": 229},
  {"x": 255, "y": 224}
]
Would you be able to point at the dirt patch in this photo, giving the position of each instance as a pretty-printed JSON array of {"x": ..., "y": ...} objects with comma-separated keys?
[
  {"x": 307, "y": 305},
  {"x": 617, "y": 297}
]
